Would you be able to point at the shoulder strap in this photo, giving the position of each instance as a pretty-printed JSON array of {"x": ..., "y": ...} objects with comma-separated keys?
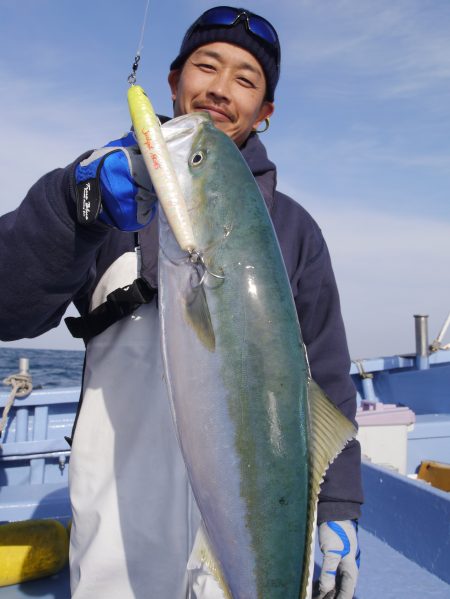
[{"x": 119, "y": 303}]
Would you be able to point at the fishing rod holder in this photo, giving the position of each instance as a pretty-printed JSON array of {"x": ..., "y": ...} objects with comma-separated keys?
[{"x": 422, "y": 353}]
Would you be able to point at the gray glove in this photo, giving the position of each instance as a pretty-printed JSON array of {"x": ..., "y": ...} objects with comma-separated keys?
[{"x": 341, "y": 556}]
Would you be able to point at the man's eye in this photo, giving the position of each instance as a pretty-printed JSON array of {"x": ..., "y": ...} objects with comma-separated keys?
[
  {"x": 246, "y": 82},
  {"x": 204, "y": 65}
]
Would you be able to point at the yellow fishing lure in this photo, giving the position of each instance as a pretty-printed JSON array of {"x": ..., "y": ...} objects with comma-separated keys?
[{"x": 147, "y": 130}]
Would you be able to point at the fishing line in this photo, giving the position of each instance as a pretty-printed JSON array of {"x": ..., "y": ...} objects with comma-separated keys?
[{"x": 137, "y": 58}]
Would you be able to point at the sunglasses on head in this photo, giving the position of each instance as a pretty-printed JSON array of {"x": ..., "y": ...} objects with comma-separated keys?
[{"x": 226, "y": 16}]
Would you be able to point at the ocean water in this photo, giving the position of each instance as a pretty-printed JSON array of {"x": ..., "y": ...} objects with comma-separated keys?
[{"x": 48, "y": 367}]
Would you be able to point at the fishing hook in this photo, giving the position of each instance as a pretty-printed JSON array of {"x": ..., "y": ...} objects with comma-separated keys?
[{"x": 196, "y": 257}]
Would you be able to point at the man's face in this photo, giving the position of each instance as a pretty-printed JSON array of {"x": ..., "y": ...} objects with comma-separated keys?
[{"x": 226, "y": 81}]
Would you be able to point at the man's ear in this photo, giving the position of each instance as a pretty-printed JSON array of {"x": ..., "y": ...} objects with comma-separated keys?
[
  {"x": 173, "y": 79},
  {"x": 265, "y": 112}
]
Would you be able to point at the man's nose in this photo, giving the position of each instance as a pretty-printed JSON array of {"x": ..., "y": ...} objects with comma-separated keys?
[{"x": 219, "y": 87}]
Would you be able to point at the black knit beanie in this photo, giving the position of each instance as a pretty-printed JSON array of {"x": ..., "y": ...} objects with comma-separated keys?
[{"x": 240, "y": 36}]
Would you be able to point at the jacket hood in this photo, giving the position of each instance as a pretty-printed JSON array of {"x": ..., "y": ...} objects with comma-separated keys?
[{"x": 262, "y": 168}]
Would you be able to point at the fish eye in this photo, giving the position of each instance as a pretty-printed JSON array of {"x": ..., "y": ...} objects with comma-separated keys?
[{"x": 197, "y": 158}]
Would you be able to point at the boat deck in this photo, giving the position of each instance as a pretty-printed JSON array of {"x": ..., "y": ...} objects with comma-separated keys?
[
  {"x": 384, "y": 573},
  {"x": 405, "y": 527},
  {"x": 388, "y": 574}
]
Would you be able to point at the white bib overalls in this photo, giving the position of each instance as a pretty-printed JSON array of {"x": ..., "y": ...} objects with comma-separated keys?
[{"x": 134, "y": 515}]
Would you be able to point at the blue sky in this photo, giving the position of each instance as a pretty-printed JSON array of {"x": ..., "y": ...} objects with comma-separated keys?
[{"x": 360, "y": 134}]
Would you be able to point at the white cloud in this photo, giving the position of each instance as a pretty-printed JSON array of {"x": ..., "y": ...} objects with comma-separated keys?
[
  {"x": 360, "y": 148},
  {"x": 388, "y": 268},
  {"x": 398, "y": 49}
]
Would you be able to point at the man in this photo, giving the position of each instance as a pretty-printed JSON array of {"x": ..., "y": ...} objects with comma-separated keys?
[{"x": 134, "y": 517}]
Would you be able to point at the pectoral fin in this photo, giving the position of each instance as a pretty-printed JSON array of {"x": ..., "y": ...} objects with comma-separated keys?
[{"x": 199, "y": 317}]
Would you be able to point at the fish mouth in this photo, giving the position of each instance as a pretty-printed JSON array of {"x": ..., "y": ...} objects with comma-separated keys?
[{"x": 184, "y": 126}]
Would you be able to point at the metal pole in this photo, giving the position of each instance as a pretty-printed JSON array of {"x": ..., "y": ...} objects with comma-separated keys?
[
  {"x": 421, "y": 326},
  {"x": 24, "y": 366},
  {"x": 22, "y": 413}
]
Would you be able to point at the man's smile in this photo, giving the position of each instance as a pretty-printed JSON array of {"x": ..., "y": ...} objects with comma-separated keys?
[{"x": 217, "y": 114}]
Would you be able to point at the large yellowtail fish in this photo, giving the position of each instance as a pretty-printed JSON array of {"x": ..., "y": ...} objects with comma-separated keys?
[{"x": 256, "y": 433}]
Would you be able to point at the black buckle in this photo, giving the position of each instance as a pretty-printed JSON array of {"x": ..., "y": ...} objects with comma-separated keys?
[{"x": 119, "y": 303}]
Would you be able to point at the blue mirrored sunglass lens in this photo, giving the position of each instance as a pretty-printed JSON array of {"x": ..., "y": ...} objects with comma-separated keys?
[
  {"x": 224, "y": 15},
  {"x": 263, "y": 30},
  {"x": 219, "y": 16}
]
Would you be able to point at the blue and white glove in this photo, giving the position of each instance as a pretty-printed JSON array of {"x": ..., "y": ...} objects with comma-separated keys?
[
  {"x": 113, "y": 186},
  {"x": 341, "y": 556}
]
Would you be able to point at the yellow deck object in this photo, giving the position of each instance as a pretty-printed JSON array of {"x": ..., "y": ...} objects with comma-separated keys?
[
  {"x": 436, "y": 473},
  {"x": 32, "y": 549}
]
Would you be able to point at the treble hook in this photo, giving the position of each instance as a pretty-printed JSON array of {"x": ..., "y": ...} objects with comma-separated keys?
[{"x": 197, "y": 257}]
